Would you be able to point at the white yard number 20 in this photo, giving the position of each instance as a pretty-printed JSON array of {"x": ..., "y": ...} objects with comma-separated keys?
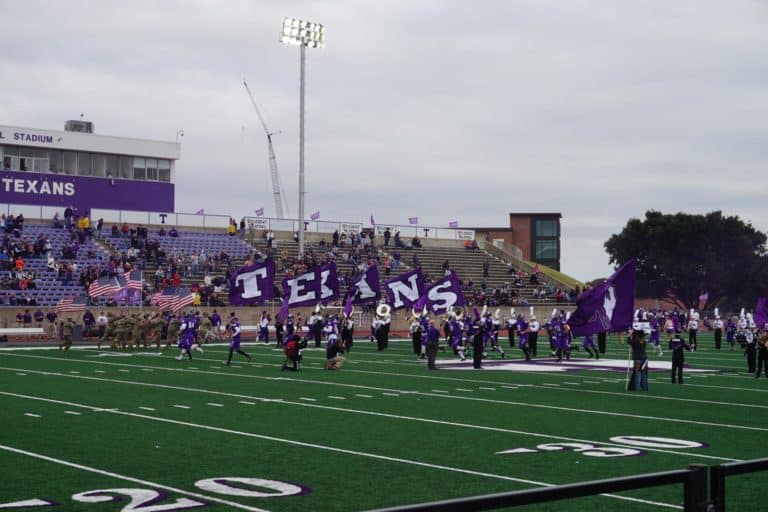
[{"x": 150, "y": 500}]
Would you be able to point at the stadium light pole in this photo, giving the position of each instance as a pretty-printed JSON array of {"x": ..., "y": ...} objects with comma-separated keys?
[{"x": 302, "y": 34}]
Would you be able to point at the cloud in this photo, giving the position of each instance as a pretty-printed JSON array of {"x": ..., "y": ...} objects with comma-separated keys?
[{"x": 446, "y": 110}]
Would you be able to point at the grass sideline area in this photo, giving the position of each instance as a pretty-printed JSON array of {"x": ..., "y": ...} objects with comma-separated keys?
[{"x": 383, "y": 431}]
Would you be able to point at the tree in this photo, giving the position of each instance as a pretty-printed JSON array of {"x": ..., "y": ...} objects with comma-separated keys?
[{"x": 682, "y": 257}]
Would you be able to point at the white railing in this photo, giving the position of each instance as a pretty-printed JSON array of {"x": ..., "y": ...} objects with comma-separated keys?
[{"x": 180, "y": 219}]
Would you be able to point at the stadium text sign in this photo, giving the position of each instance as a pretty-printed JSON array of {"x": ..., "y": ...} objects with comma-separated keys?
[
  {"x": 28, "y": 137},
  {"x": 85, "y": 193}
]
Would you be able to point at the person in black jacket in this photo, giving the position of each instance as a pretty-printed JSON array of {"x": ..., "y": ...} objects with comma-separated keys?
[{"x": 677, "y": 345}]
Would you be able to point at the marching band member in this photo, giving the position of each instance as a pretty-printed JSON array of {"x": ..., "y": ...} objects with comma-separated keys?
[
  {"x": 264, "y": 327},
  {"x": 718, "y": 325},
  {"x": 533, "y": 334},
  {"x": 693, "y": 328},
  {"x": 234, "y": 344},
  {"x": 512, "y": 327},
  {"x": 524, "y": 329}
]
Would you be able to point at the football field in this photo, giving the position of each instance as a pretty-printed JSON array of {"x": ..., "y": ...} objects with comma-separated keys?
[{"x": 101, "y": 430}]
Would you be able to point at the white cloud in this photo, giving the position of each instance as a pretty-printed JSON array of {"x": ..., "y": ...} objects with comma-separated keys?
[{"x": 446, "y": 110}]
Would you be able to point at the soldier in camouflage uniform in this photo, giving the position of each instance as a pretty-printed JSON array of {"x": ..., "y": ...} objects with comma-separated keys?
[
  {"x": 173, "y": 331},
  {"x": 67, "y": 329},
  {"x": 206, "y": 329},
  {"x": 137, "y": 331},
  {"x": 156, "y": 328},
  {"x": 109, "y": 331},
  {"x": 122, "y": 328}
]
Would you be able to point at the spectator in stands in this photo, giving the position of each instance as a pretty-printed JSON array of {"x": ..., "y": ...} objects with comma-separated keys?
[
  {"x": 232, "y": 228},
  {"x": 386, "y": 266},
  {"x": 99, "y": 226},
  {"x": 416, "y": 243},
  {"x": 242, "y": 227},
  {"x": 335, "y": 239},
  {"x": 161, "y": 232},
  {"x": 173, "y": 233},
  {"x": 115, "y": 231},
  {"x": 471, "y": 245},
  {"x": 486, "y": 266},
  {"x": 387, "y": 236},
  {"x": 57, "y": 221},
  {"x": 398, "y": 242}
]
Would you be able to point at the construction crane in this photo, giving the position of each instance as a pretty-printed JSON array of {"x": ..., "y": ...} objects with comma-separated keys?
[{"x": 277, "y": 186}]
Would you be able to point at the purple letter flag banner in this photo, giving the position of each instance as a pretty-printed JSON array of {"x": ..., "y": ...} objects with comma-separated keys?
[
  {"x": 453, "y": 224},
  {"x": 761, "y": 313},
  {"x": 259, "y": 212},
  {"x": 367, "y": 287},
  {"x": 608, "y": 306},
  {"x": 315, "y": 216},
  {"x": 302, "y": 290},
  {"x": 403, "y": 291},
  {"x": 442, "y": 295},
  {"x": 329, "y": 283},
  {"x": 252, "y": 284},
  {"x": 413, "y": 220}
]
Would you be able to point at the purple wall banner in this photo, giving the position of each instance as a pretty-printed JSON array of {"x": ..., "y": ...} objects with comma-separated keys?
[
  {"x": 84, "y": 193},
  {"x": 253, "y": 284}
]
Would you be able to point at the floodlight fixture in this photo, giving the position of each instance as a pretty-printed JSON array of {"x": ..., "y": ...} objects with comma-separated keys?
[{"x": 303, "y": 34}]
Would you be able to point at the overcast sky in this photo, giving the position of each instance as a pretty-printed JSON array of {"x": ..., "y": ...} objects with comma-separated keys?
[{"x": 448, "y": 110}]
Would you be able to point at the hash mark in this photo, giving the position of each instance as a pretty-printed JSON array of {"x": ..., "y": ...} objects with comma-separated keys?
[
  {"x": 146, "y": 408},
  {"x": 307, "y": 399},
  {"x": 31, "y": 415},
  {"x": 181, "y": 406}
]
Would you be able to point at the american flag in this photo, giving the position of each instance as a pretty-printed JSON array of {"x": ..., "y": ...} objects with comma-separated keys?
[
  {"x": 103, "y": 286},
  {"x": 133, "y": 279},
  {"x": 164, "y": 298},
  {"x": 184, "y": 298},
  {"x": 70, "y": 305}
]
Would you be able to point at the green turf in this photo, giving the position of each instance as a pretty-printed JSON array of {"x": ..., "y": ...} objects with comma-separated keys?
[{"x": 384, "y": 431}]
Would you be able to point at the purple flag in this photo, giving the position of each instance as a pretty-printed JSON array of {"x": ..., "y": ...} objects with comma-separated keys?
[
  {"x": 413, "y": 220},
  {"x": 442, "y": 295},
  {"x": 608, "y": 306},
  {"x": 704, "y": 296},
  {"x": 302, "y": 290},
  {"x": 253, "y": 284},
  {"x": 315, "y": 216},
  {"x": 128, "y": 297},
  {"x": 259, "y": 212},
  {"x": 348, "y": 305},
  {"x": 761, "y": 313},
  {"x": 329, "y": 283},
  {"x": 201, "y": 211},
  {"x": 403, "y": 291},
  {"x": 366, "y": 287},
  {"x": 283, "y": 313},
  {"x": 453, "y": 224}
]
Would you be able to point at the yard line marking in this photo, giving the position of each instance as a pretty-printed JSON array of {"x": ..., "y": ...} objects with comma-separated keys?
[
  {"x": 465, "y": 390},
  {"x": 181, "y": 406},
  {"x": 358, "y": 386},
  {"x": 488, "y": 389},
  {"x": 247, "y": 402},
  {"x": 363, "y": 396},
  {"x": 390, "y": 394},
  {"x": 440, "y": 391},
  {"x": 338, "y": 450},
  {"x": 307, "y": 399},
  {"x": 146, "y": 408},
  {"x": 21, "y": 374},
  {"x": 336, "y": 397},
  {"x": 146, "y": 483},
  {"x": 74, "y": 413},
  {"x": 31, "y": 415},
  {"x": 407, "y": 418},
  {"x": 214, "y": 404}
]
